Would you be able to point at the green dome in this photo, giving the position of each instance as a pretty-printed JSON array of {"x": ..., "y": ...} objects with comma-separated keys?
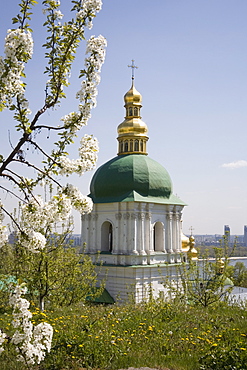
[{"x": 132, "y": 177}]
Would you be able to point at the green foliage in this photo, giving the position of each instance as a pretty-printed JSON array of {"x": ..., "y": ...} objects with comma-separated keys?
[
  {"x": 227, "y": 357},
  {"x": 239, "y": 274},
  {"x": 25, "y": 14},
  {"x": 199, "y": 282},
  {"x": 56, "y": 276},
  {"x": 203, "y": 282}
]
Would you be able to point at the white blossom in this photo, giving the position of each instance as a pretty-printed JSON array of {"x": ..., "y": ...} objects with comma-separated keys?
[
  {"x": 96, "y": 48},
  {"x": 87, "y": 157},
  {"x": 32, "y": 342},
  {"x": 37, "y": 215},
  {"x": 88, "y": 91},
  {"x": 18, "y": 45},
  {"x": 3, "y": 235},
  {"x": 31, "y": 213},
  {"x": 58, "y": 208},
  {"x": 2, "y": 340},
  {"x": 58, "y": 14},
  {"x": 18, "y": 50},
  {"x": 80, "y": 202},
  {"x": 73, "y": 121},
  {"x": 88, "y": 7},
  {"x": 32, "y": 240}
]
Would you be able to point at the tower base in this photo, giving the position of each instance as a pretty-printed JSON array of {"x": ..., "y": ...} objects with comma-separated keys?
[{"x": 137, "y": 283}]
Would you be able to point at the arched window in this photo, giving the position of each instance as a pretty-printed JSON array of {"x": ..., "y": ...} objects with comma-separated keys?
[
  {"x": 136, "y": 111},
  {"x": 141, "y": 145},
  {"x": 158, "y": 237},
  {"x": 106, "y": 237},
  {"x": 131, "y": 145},
  {"x": 136, "y": 146},
  {"x": 121, "y": 146},
  {"x": 130, "y": 111},
  {"x": 126, "y": 146}
]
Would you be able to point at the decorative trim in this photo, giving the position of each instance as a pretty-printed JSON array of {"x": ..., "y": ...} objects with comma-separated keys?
[{"x": 118, "y": 216}]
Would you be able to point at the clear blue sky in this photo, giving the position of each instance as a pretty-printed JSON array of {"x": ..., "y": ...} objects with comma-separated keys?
[{"x": 192, "y": 74}]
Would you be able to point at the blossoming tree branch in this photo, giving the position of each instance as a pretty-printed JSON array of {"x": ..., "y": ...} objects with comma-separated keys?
[
  {"x": 38, "y": 215},
  {"x": 61, "y": 45}
]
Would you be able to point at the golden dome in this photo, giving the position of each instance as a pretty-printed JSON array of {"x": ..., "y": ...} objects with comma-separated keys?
[
  {"x": 185, "y": 242},
  {"x": 220, "y": 264},
  {"x": 132, "y": 126},
  {"x": 133, "y": 96},
  {"x": 192, "y": 253}
]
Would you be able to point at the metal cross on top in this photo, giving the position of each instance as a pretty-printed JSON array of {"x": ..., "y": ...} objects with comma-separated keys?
[
  {"x": 133, "y": 68},
  {"x": 191, "y": 230}
]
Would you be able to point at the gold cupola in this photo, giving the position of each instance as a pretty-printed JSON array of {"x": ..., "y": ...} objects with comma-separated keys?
[
  {"x": 192, "y": 252},
  {"x": 132, "y": 132},
  {"x": 185, "y": 242}
]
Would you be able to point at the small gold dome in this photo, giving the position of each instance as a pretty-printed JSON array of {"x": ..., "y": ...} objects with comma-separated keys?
[
  {"x": 185, "y": 242},
  {"x": 220, "y": 266},
  {"x": 132, "y": 126},
  {"x": 133, "y": 96},
  {"x": 192, "y": 253}
]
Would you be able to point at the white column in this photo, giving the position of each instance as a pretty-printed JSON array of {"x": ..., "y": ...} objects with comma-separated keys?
[
  {"x": 93, "y": 231},
  {"x": 174, "y": 231},
  {"x": 148, "y": 233},
  {"x": 118, "y": 234},
  {"x": 134, "y": 234},
  {"x": 90, "y": 233},
  {"x": 178, "y": 231},
  {"x": 125, "y": 235},
  {"x": 169, "y": 232},
  {"x": 128, "y": 244},
  {"x": 141, "y": 217},
  {"x": 83, "y": 232},
  {"x": 164, "y": 249}
]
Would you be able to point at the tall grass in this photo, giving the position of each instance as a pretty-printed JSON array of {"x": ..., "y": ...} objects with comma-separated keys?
[{"x": 154, "y": 334}]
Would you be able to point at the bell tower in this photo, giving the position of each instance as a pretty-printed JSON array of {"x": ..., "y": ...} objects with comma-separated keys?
[
  {"x": 134, "y": 229},
  {"x": 132, "y": 132}
]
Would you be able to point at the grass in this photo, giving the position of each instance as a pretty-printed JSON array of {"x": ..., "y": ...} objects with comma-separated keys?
[{"x": 155, "y": 334}]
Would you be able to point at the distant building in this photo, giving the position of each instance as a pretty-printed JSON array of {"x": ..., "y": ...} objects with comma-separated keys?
[
  {"x": 74, "y": 240},
  {"x": 12, "y": 239},
  {"x": 245, "y": 235},
  {"x": 227, "y": 230},
  {"x": 227, "y": 233}
]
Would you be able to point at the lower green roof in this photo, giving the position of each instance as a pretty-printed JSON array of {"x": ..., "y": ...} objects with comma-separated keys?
[
  {"x": 132, "y": 177},
  {"x": 105, "y": 297}
]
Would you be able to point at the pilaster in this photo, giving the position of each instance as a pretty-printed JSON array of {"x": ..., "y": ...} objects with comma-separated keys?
[{"x": 169, "y": 233}]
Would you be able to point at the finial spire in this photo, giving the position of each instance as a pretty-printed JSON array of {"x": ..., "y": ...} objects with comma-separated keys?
[
  {"x": 133, "y": 69},
  {"x": 191, "y": 230}
]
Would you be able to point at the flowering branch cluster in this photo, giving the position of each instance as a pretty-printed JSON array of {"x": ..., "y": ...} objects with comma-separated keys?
[
  {"x": 38, "y": 217},
  {"x": 31, "y": 342},
  {"x": 75, "y": 120},
  {"x": 18, "y": 50},
  {"x": 61, "y": 45},
  {"x": 86, "y": 161}
]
